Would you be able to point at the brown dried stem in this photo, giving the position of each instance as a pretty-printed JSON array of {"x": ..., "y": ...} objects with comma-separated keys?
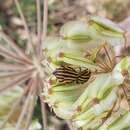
[
  {"x": 24, "y": 111},
  {"x": 11, "y": 67},
  {"x": 43, "y": 107},
  {"x": 41, "y": 84},
  {"x": 15, "y": 74},
  {"x": 15, "y": 106},
  {"x": 44, "y": 114},
  {"x": 30, "y": 44},
  {"x": 16, "y": 81},
  {"x": 32, "y": 104},
  {"x": 27, "y": 105},
  {"x": 45, "y": 23},
  {"x": 11, "y": 55},
  {"x": 39, "y": 33},
  {"x": 30, "y": 113},
  {"x": 14, "y": 46}
]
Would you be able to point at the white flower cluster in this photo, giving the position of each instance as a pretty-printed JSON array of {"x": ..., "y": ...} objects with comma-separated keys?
[{"x": 93, "y": 105}]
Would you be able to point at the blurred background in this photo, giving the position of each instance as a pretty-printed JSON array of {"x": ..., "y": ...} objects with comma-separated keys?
[{"x": 60, "y": 11}]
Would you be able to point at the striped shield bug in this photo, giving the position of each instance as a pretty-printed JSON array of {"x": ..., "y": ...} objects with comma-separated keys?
[{"x": 66, "y": 74}]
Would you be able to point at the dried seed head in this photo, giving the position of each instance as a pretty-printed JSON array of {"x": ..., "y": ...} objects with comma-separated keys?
[{"x": 87, "y": 105}]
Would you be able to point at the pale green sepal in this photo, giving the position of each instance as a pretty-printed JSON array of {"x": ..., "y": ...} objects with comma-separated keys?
[
  {"x": 121, "y": 123},
  {"x": 106, "y": 24},
  {"x": 79, "y": 61},
  {"x": 75, "y": 30},
  {"x": 115, "y": 116}
]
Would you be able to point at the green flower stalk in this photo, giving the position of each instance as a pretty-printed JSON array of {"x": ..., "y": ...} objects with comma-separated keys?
[{"x": 93, "y": 104}]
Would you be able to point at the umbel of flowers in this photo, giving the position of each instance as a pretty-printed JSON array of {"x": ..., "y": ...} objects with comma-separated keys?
[{"x": 101, "y": 102}]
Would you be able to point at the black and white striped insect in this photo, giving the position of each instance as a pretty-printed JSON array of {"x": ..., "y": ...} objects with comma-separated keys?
[{"x": 66, "y": 74}]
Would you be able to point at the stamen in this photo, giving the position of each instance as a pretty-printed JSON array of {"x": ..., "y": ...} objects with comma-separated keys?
[
  {"x": 104, "y": 66},
  {"x": 108, "y": 56}
]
